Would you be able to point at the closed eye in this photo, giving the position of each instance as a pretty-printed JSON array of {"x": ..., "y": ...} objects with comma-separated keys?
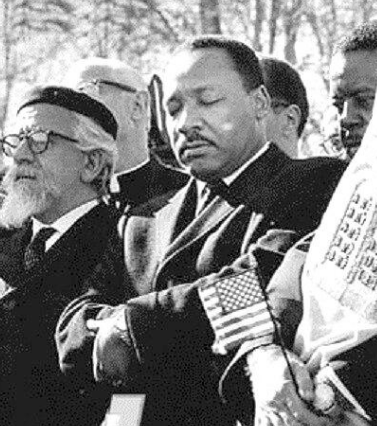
[
  {"x": 365, "y": 101},
  {"x": 210, "y": 101},
  {"x": 338, "y": 104},
  {"x": 173, "y": 107}
]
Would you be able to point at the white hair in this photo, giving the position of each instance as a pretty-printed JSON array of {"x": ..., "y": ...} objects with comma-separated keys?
[
  {"x": 91, "y": 137},
  {"x": 108, "y": 69}
]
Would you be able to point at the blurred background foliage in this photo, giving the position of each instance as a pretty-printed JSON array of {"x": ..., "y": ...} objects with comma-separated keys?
[{"x": 41, "y": 38}]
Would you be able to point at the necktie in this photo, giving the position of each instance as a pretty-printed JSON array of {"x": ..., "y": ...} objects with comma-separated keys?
[
  {"x": 209, "y": 193},
  {"x": 36, "y": 249},
  {"x": 114, "y": 200}
]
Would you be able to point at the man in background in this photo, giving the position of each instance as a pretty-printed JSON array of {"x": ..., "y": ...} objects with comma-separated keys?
[
  {"x": 62, "y": 154},
  {"x": 353, "y": 83},
  {"x": 289, "y": 104},
  {"x": 139, "y": 176}
]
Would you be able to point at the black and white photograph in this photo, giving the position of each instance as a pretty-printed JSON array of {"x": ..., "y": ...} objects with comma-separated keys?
[{"x": 188, "y": 213}]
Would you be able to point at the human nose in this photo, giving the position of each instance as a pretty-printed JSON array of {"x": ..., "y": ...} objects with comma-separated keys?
[
  {"x": 23, "y": 151},
  {"x": 190, "y": 120},
  {"x": 349, "y": 116}
]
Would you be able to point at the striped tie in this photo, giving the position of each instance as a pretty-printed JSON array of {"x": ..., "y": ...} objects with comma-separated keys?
[{"x": 36, "y": 249}]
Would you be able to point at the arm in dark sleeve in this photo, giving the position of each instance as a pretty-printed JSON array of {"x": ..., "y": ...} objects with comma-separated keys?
[
  {"x": 157, "y": 324},
  {"x": 284, "y": 295},
  {"x": 101, "y": 291}
]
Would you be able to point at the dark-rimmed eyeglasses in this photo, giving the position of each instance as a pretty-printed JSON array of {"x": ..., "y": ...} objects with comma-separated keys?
[
  {"x": 96, "y": 84},
  {"x": 37, "y": 140}
]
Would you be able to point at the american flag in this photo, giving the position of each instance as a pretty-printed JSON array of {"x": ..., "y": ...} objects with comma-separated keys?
[{"x": 236, "y": 309}]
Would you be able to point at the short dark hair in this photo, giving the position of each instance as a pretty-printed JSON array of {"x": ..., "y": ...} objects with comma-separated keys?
[
  {"x": 243, "y": 57},
  {"x": 284, "y": 84},
  {"x": 362, "y": 37}
]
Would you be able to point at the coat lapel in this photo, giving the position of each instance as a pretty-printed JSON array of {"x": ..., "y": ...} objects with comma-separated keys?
[
  {"x": 214, "y": 214},
  {"x": 254, "y": 186},
  {"x": 174, "y": 217},
  {"x": 245, "y": 191},
  {"x": 63, "y": 250},
  {"x": 13, "y": 244}
]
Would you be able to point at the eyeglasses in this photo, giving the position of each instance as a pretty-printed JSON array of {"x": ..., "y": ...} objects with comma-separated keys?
[
  {"x": 96, "y": 84},
  {"x": 37, "y": 140}
]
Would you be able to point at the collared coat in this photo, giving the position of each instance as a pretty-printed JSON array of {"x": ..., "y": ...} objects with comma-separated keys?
[
  {"x": 33, "y": 391},
  {"x": 167, "y": 254}
]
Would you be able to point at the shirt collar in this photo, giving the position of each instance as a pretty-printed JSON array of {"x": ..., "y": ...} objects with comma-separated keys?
[
  {"x": 66, "y": 221},
  {"x": 231, "y": 178}
]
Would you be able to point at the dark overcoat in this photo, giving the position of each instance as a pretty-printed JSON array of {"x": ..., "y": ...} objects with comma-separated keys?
[
  {"x": 170, "y": 357},
  {"x": 33, "y": 391}
]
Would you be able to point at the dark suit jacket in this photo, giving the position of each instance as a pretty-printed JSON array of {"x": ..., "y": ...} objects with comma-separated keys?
[
  {"x": 150, "y": 181},
  {"x": 170, "y": 247},
  {"x": 171, "y": 337},
  {"x": 32, "y": 389}
]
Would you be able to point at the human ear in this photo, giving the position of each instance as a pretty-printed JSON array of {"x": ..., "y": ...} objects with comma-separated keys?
[
  {"x": 93, "y": 164},
  {"x": 262, "y": 102},
  {"x": 292, "y": 117},
  {"x": 141, "y": 105}
]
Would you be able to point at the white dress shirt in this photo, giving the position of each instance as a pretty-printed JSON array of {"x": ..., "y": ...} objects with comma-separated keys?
[
  {"x": 231, "y": 178},
  {"x": 63, "y": 223}
]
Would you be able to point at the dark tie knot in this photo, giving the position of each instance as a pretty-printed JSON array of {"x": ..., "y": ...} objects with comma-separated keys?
[
  {"x": 209, "y": 192},
  {"x": 217, "y": 188},
  {"x": 36, "y": 248}
]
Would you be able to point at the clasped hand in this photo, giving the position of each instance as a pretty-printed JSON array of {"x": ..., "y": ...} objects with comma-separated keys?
[
  {"x": 111, "y": 345},
  {"x": 282, "y": 401}
]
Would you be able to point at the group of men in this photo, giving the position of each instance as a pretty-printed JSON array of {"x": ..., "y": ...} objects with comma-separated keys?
[{"x": 89, "y": 308}]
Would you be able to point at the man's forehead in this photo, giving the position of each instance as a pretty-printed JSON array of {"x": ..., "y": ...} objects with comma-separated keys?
[
  {"x": 46, "y": 117},
  {"x": 123, "y": 75},
  {"x": 94, "y": 71},
  {"x": 354, "y": 63},
  {"x": 199, "y": 67}
]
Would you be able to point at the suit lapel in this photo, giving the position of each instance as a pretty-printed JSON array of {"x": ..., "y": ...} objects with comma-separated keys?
[
  {"x": 178, "y": 228},
  {"x": 185, "y": 210},
  {"x": 253, "y": 186},
  {"x": 214, "y": 214},
  {"x": 62, "y": 251},
  {"x": 173, "y": 218},
  {"x": 13, "y": 244}
]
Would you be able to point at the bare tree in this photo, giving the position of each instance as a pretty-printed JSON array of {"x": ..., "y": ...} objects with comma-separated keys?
[
  {"x": 259, "y": 18},
  {"x": 210, "y": 16},
  {"x": 8, "y": 48},
  {"x": 23, "y": 22},
  {"x": 292, "y": 14},
  {"x": 275, "y": 10}
]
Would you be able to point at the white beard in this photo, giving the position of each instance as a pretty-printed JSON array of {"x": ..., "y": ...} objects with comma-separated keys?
[{"x": 25, "y": 198}]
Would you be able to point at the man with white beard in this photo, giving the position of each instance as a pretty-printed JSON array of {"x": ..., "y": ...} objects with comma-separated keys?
[{"x": 62, "y": 151}]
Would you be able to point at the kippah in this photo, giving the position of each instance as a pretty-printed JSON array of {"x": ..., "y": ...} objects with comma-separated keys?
[{"x": 78, "y": 102}]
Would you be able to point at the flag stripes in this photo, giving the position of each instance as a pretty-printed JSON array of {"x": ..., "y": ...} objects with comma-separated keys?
[{"x": 237, "y": 310}]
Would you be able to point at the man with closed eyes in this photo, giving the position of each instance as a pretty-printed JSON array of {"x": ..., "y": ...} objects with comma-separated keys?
[{"x": 159, "y": 342}]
